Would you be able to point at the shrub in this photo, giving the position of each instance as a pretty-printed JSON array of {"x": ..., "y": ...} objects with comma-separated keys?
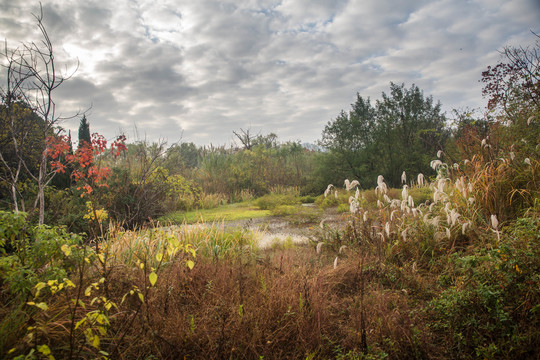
[{"x": 271, "y": 201}]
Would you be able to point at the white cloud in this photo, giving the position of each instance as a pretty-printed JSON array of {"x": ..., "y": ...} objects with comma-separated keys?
[{"x": 201, "y": 69}]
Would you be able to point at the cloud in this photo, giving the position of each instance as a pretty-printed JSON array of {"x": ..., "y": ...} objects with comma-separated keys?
[{"x": 201, "y": 69}]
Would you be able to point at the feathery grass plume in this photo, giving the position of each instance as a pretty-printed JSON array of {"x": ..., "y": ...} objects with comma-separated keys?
[
  {"x": 319, "y": 247},
  {"x": 404, "y": 235},
  {"x": 512, "y": 155},
  {"x": 447, "y": 206},
  {"x": 495, "y": 225},
  {"x": 527, "y": 161},
  {"x": 351, "y": 185},
  {"x": 456, "y": 166},
  {"x": 387, "y": 229},
  {"x": 335, "y": 262},
  {"x": 437, "y": 196},
  {"x": 441, "y": 183},
  {"x": 404, "y": 193},
  {"x": 365, "y": 216},
  {"x": 494, "y": 222},
  {"x": 435, "y": 164},
  {"x": 403, "y": 178},
  {"x": 392, "y": 215},
  {"x": 483, "y": 143},
  {"x": 381, "y": 186},
  {"x": 410, "y": 201},
  {"x": 342, "y": 249},
  {"x": 403, "y": 205},
  {"x": 420, "y": 179},
  {"x": 379, "y": 204},
  {"x": 448, "y": 233},
  {"x": 454, "y": 215},
  {"x": 460, "y": 186},
  {"x": 321, "y": 224},
  {"x": 328, "y": 189},
  {"x": 471, "y": 200},
  {"x": 336, "y": 194},
  {"x": 439, "y": 153},
  {"x": 464, "y": 227},
  {"x": 357, "y": 194},
  {"x": 387, "y": 198},
  {"x": 530, "y": 120},
  {"x": 353, "y": 205}
]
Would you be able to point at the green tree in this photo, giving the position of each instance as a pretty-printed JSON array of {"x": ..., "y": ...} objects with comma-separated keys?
[
  {"x": 410, "y": 131},
  {"x": 350, "y": 141},
  {"x": 403, "y": 132},
  {"x": 84, "y": 133},
  {"x": 182, "y": 157}
]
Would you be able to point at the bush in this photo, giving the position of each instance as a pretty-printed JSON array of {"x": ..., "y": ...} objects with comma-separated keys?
[{"x": 271, "y": 201}]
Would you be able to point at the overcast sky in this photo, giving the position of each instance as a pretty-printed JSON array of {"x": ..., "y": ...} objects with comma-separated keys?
[{"x": 196, "y": 70}]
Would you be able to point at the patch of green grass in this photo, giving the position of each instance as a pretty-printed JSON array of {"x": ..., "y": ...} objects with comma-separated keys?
[{"x": 230, "y": 212}]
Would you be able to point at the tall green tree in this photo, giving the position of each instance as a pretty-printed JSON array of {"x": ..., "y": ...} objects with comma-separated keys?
[
  {"x": 84, "y": 133},
  {"x": 350, "y": 139},
  {"x": 403, "y": 132},
  {"x": 410, "y": 131}
]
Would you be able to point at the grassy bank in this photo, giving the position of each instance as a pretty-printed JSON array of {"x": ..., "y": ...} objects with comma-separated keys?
[{"x": 230, "y": 212}]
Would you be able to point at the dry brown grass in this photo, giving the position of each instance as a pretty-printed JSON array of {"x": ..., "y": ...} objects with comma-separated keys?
[{"x": 288, "y": 304}]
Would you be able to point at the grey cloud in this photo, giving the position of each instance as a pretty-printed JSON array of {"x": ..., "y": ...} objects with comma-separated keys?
[{"x": 200, "y": 69}]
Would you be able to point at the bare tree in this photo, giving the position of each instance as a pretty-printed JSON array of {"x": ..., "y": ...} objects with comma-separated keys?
[
  {"x": 31, "y": 78},
  {"x": 245, "y": 138}
]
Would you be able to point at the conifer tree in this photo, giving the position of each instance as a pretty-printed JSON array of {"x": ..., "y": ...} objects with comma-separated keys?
[{"x": 84, "y": 133}]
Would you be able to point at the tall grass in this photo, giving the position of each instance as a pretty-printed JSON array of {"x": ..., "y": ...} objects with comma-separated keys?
[{"x": 447, "y": 269}]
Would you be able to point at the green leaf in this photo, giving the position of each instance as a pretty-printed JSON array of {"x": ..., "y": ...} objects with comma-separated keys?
[{"x": 153, "y": 278}]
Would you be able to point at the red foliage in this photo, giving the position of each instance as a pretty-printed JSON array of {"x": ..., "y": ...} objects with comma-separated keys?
[{"x": 83, "y": 160}]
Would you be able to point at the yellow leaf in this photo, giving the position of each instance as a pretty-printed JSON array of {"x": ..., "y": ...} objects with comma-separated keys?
[
  {"x": 190, "y": 264},
  {"x": 88, "y": 291},
  {"x": 39, "y": 286},
  {"x": 153, "y": 278},
  {"x": 44, "y": 349},
  {"x": 159, "y": 256},
  {"x": 95, "y": 342},
  {"x": 42, "y": 306},
  {"x": 141, "y": 296},
  {"x": 66, "y": 249}
]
